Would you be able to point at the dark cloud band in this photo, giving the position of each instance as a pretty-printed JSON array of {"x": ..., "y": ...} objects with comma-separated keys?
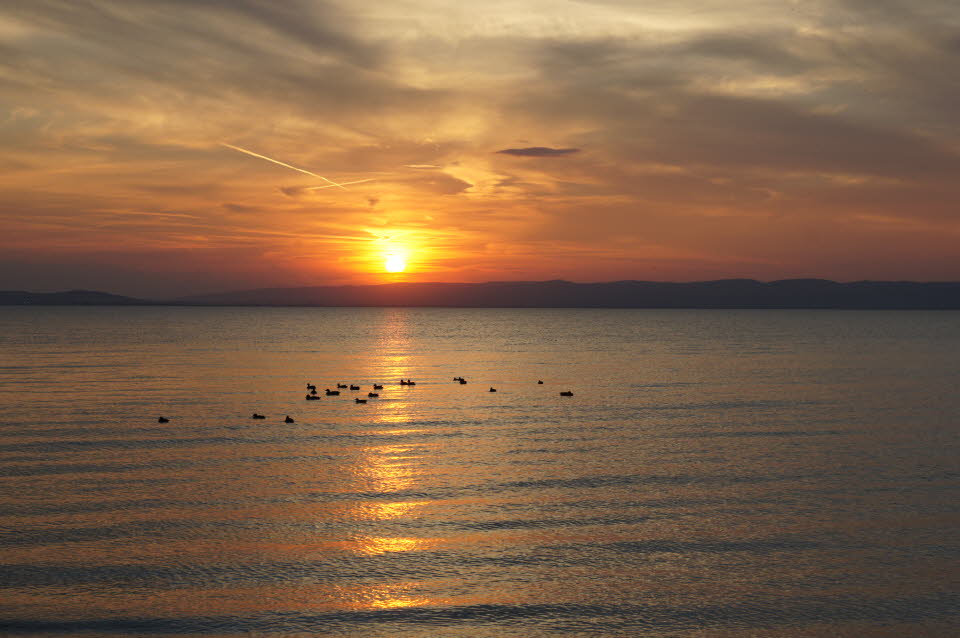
[{"x": 539, "y": 151}]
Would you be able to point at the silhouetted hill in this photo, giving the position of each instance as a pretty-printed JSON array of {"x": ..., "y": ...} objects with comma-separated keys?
[
  {"x": 66, "y": 298},
  {"x": 725, "y": 293}
]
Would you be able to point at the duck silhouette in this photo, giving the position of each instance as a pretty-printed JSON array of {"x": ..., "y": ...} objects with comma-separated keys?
[
  {"x": 360, "y": 400},
  {"x": 372, "y": 395},
  {"x": 163, "y": 420},
  {"x": 463, "y": 382},
  {"x": 568, "y": 393},
  {"x": 377, "y": 386},
  {"x": 354, "y": 387},
  {"x": 341, "y": 385},
  {"x": 332, "y": 393},
  {"x": 257, "y": 416},
  {"x": 540, "y": 382},
  {"x": 312, "y": 397},
  {"x": 492, "y": 389},
  {"x": 288, "y": 419},
  {"x": 310, "y": 386}
]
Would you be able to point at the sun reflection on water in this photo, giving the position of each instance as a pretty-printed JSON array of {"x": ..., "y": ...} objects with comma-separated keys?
[
  {"x": 376, "y": 545},
  {"x": 392, "y": 596},
  {"x": 396, "y": 432},
  {"x": 397, "y": 411},
  {"x": 388, "y": 468},
  {"x": 393, "y": 367},
  {"x": 388, "y": 511}
]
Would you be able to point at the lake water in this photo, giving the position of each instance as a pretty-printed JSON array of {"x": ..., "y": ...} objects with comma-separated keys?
[{"x": 716, "y": 473}]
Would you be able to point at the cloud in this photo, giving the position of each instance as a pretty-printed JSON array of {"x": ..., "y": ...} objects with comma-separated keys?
[
  {"x": 539, "y": 151},
  {"x": 240, "y": 208},
  {"x": 292, "y": 191}
]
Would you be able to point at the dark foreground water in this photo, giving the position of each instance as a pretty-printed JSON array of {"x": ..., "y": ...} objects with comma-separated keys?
[{"x": 716, "y": 473}]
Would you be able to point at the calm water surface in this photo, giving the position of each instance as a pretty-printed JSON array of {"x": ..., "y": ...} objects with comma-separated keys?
[{"x": 716, "y": 474}]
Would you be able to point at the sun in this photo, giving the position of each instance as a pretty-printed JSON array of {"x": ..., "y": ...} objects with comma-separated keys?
[{"x": 395, "y": 263}]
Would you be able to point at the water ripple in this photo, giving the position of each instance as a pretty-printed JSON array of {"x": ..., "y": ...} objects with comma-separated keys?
[{"x": 568, "y": 617}]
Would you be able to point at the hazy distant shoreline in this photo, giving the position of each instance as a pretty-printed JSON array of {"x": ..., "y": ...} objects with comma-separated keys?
[{"x": 725, "y": 293}]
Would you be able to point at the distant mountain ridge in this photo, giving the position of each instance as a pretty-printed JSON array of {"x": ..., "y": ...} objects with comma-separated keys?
[
  {"x": 724, "y": 293},
  {"x": 67, "y": 298}
]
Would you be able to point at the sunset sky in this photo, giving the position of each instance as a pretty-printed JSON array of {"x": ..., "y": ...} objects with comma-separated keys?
[{"x": 589, "y": 140}]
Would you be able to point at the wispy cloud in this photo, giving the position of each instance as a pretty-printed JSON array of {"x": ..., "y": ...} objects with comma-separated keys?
[{"x": 539, "y": 151}]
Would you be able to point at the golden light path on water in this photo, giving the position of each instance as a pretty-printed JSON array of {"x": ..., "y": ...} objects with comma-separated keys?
[{"x": 390, "y": 468}]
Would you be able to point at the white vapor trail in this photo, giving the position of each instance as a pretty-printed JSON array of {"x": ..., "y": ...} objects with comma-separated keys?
[
  {"x": 341, "y": 184},
  {"x": 270, "y": 159}
]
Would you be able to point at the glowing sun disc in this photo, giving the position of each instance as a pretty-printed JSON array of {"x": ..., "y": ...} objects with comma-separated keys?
[{"x": 395, "y": 263}]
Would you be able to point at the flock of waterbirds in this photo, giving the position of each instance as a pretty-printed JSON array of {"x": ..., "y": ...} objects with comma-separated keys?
[{"x": 313, "y": 395}]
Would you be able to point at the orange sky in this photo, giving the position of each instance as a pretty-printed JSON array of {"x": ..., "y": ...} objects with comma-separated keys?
[{"x": 593, "y": 140}]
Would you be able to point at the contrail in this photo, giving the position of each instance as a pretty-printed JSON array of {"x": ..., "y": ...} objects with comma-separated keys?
[
  {"x": 270, "y": 159},
  {"x": 341, "y": 184}
]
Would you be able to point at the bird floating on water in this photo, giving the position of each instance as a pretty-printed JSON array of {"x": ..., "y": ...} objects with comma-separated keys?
[
  {"x": 354, "y": 387},
  {"x": 163, "y": 420},
  {"x": 341, "y": 385},
  {"x": 257, "y": 416},
  {"x": 312, "y": 397},
  {"x": 288, "y": 419},
  {"x": 540, "y": 382},
  {"x": 492, "y": 389},
  {"x": 377, "y": 386},
  {"x": 332, "y": 393},
  {"x": 372, "y": 394},
  {"x": 568, "y": 393},
  {"x": 360, "y": 400},
  {"x": 310, "y": 386}
]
